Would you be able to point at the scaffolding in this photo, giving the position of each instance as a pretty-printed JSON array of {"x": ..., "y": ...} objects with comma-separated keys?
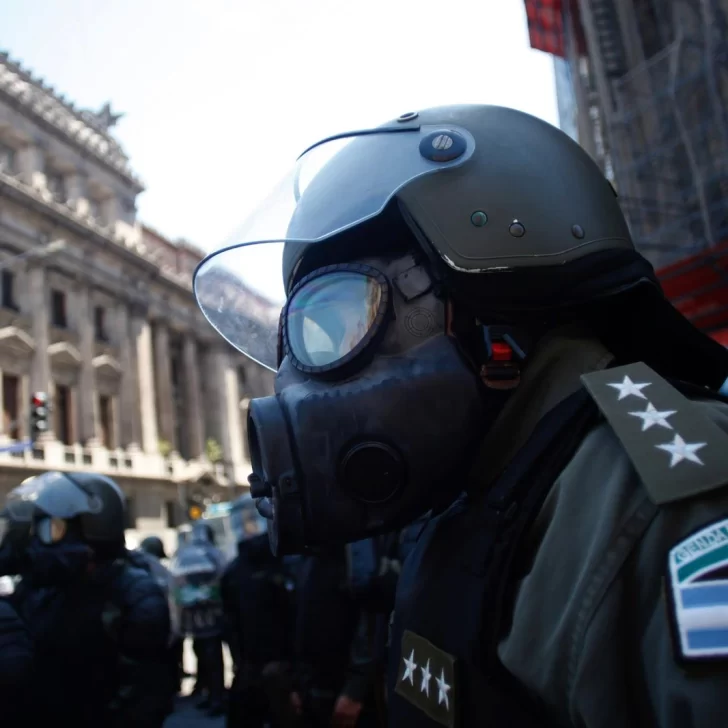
[{"x": 668, "y": 133}]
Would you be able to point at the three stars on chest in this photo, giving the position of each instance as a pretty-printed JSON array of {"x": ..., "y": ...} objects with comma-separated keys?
[{"x": 410, "y": 669}]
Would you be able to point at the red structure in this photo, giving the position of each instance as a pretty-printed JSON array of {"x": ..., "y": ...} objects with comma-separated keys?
[
  {"x": 546, "y": 26},
  {"x": 698, "y": 288},
  {"x": 696, "y": 285}
]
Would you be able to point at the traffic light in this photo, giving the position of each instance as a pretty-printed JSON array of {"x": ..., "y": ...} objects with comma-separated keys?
[
  {"x": 39, "y": 411},
  {"x": 195, "y": 506}
]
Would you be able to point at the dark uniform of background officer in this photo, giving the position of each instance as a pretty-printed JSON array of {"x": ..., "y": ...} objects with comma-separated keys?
[
  {"x": 196, "y": 570},
  {"x": 16, "y": 667},
  {"x": 257, "y": 598},
  {"x": 470, "y": 330},
  {"x": 99, "y": 624},
  {"x": 16, "y": 644},
  {"x": 333, "y": 678},
  {"x": 151, "y": 552}
]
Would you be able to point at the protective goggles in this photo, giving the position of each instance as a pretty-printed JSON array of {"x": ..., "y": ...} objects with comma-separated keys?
[{"x": 333, "y": 316}]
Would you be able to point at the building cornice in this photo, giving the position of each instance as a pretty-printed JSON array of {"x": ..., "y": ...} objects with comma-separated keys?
[
  {"x": 30, "y": 198},
  {"x": 33, "y": 97}
]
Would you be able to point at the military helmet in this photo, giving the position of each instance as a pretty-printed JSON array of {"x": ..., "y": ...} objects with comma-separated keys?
[{"x": 524, "y": 195}]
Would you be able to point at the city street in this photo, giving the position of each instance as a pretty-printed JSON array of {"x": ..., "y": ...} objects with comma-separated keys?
[{"x": 185, "y": 715}]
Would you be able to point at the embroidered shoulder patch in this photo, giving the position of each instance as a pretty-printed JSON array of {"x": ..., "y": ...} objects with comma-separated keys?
[
  {"x": 698, "y": 593},
  {"x": 426, "y": 678}
]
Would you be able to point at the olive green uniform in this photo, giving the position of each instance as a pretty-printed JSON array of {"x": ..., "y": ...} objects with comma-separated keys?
[{"x": 594, "y": 631}]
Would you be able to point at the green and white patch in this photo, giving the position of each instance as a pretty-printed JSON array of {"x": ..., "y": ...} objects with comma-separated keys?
[{"x": 698, "y": 574}]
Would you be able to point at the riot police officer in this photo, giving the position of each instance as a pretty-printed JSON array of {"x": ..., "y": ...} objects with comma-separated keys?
[
  {"x": 257, "y": 598},
  {"x": 468, "y": 327},
  {"x": 16, "y": 667},
  {"x": 99, "y": 623},
  {"x": 333, "y": 644},
  {"x": 151, "y": 552},
  {"x": 16, "y": 646},
  {"x": 196, "y": 571}
]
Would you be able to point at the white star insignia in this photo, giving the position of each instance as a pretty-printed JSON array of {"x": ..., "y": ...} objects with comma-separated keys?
[
  {"x": 681, "y": 450},
  {"x": 409, "y": 668},
  {"x": 628, "y": 388},
  {"x": 442, "y": 690},
  {"x": 426, "y": 677},
  {"x": 651, "y": 417}
]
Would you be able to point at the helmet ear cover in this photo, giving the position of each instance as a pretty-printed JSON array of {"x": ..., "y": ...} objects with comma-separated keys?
[
  {"x": 642, "y": 325},
  {"x": 615, "y": 293}
]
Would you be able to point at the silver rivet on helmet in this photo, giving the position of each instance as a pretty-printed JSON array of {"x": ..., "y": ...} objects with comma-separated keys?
[{"x": 516, "y": 229}]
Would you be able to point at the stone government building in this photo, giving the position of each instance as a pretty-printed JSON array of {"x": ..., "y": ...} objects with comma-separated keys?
[{"x": 142, "y": 387}]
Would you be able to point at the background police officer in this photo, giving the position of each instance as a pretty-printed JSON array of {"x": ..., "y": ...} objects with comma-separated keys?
[
  {"x": 99, "y": 623},
  {"x": 197, "y": 569},
  {"x": 257, "y": 597},
  {"x": 151, "y": 552},
  {"x": 16, "y": 667}
]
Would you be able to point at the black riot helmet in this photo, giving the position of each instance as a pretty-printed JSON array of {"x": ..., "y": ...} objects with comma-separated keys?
[
  {"x": 153, "y": 545},
  {"x": 93, "y": 500},
  {"x": 464, "y": 223},
  {"x": 15, "y": 525}
]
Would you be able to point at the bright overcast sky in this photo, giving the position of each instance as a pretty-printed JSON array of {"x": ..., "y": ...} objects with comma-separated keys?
[{"x": 221, "y": 96}]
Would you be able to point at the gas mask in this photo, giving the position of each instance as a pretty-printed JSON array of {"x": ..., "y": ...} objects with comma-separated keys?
[{"x": 376, "y": 408}]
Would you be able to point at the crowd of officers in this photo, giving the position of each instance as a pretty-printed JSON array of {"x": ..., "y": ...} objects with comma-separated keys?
[
  {"x": 308, "y": 634},
  {"x": 92, "y": 633}
]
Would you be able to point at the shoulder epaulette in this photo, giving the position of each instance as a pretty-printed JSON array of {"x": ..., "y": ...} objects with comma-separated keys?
[{"x": 675, "y": 447}]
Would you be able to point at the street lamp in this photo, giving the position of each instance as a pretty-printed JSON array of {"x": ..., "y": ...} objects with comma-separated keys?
[{"x": 46, "y": 250}]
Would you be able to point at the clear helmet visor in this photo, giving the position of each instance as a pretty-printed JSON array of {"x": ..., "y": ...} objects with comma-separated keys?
[
  {"x": 53, "y": 494},
  {"x": 192, "y": 560},
  {"x": 247, "y": 523},
  {"x": 334, "y": 186}
]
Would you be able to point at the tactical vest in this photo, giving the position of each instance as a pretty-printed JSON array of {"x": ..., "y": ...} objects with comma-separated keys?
[{"x": 455, "y": 592}]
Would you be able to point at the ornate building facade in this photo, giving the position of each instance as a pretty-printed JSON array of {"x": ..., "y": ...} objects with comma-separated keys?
[{"x": 104, "y": 320}]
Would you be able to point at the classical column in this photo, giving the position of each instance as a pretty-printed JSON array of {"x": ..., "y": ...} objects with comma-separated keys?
[
  {"x": 193, "y": 403},
  {"x": 163, "y": 370},
  {"x": 31, "y": 166},
  {"x": 76, "y": 192},
  {"x": 227, "y": 406},
  {"x": 232, "y": 404},
  {"x": 87, "y": 383},
  {"x": 142, "y": 337},
  {"x": 215, "y": 361},
  {"x": 40, "y": 375},
  {"x": 128, "y": 404}
]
